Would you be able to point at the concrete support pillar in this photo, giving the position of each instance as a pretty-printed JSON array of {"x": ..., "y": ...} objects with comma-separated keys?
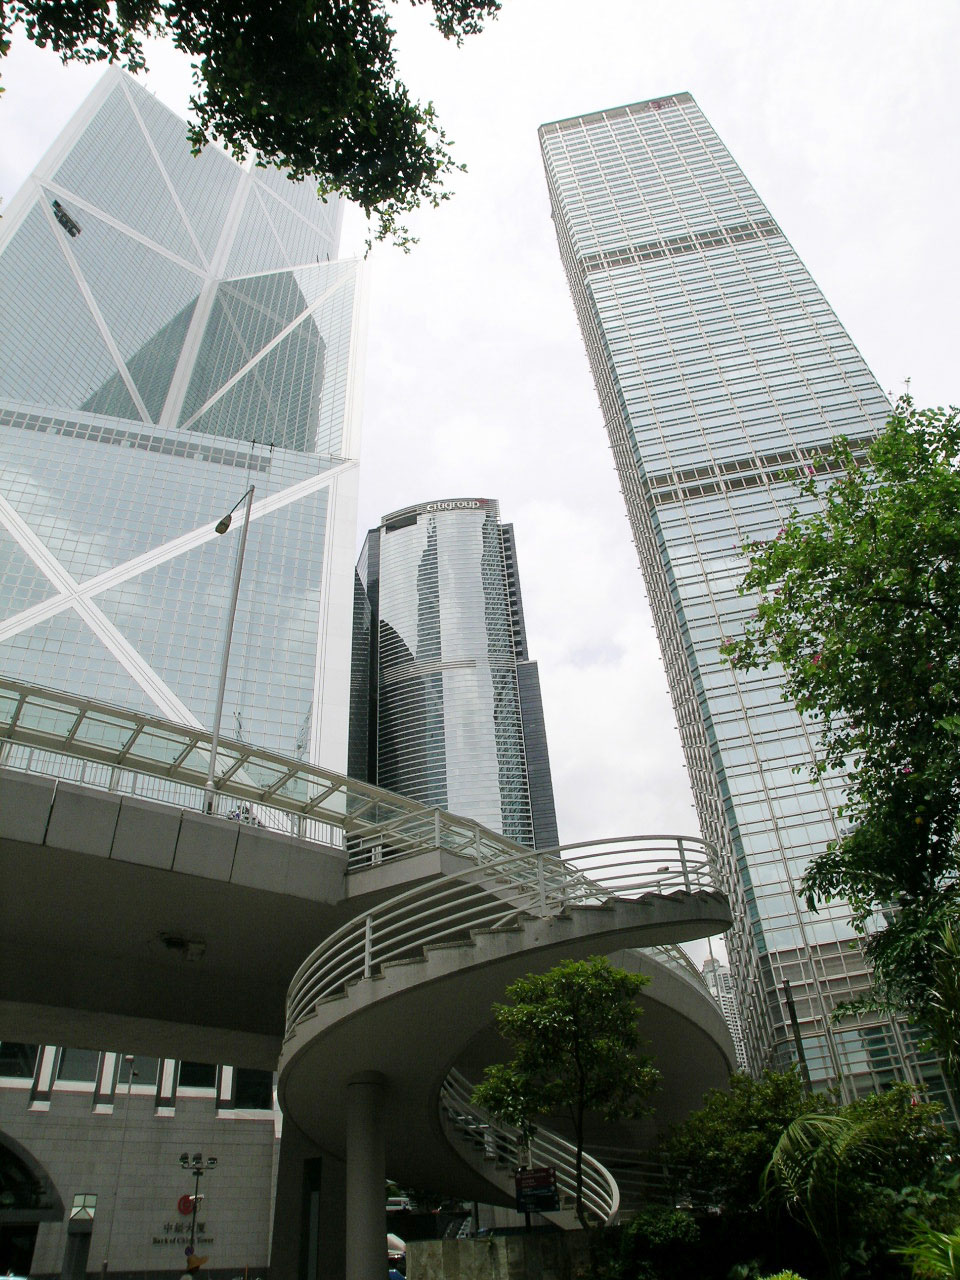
[
  {"x": 366, "y": 1178},
  {"x": 309, "y": 1213}
]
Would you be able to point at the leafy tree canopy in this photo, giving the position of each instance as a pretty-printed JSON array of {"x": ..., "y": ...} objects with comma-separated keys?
[
  {"x": 853, "y": 1175},
  {"x": 858, "y": 603},
  {"x": 659, "y": 1243},
  {"x": 576, "y": 1049},
  {"x": 720, "y": 1152},
  {"x": 308, "y": 85},
  {"x": 798, "y": 1180}
]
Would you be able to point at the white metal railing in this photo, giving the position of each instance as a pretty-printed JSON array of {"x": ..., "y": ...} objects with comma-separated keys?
[
  {"x": 500, "y": 1145},
  {"x": 677, "y": 961},
  {"x": 493, "y": 893},
  {"x": 124, "y": 752},
  {"x": 113, "y": 749},
  {"x": 641, "y": 1180}
]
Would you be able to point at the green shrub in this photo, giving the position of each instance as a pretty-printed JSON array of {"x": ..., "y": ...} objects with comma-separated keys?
[
  {"x": 932, "y": 1254},
  {"x": 659, "y": 1244}
]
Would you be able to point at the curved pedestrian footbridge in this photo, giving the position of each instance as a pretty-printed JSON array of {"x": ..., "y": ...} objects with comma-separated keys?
[{"x": 188, "y": 926}]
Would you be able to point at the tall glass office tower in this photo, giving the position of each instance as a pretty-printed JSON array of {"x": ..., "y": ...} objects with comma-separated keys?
[
  {"x": 174, "y": 329},
  {"x": 446, "y": 701},
  {"x": 723, "y": 374}
]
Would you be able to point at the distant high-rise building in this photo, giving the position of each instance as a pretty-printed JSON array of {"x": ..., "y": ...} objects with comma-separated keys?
[
  {"x": 173, "y": 329},
  {"x": 723, "y": 374},
  {"x": 446, "y": 702},
  {"x": 720, "y": 982}
]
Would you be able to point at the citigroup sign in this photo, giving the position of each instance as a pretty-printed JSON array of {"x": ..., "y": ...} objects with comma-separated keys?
[{"x": 456, "y": 504}]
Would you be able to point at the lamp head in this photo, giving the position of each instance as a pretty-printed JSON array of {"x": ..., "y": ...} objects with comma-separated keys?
[{"x": 223, "y": 525}]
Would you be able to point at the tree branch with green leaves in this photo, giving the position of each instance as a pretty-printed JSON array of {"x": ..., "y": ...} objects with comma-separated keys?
[{"x": 306, "y": 85}]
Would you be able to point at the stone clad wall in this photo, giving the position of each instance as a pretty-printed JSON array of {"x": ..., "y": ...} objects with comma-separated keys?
[
  {"x": 554, "y": 1256},
  {"x": 81, "y": 1150}
]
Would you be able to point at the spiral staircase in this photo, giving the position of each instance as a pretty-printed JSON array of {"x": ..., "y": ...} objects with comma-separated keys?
[{"x": 385, "y": 1014}]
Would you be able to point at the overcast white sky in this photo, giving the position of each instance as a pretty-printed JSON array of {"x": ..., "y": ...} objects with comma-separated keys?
[{"x": 845, "y": 118}]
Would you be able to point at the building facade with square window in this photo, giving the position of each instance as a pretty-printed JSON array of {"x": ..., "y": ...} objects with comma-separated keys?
[{"x": 93, "y": 1141}]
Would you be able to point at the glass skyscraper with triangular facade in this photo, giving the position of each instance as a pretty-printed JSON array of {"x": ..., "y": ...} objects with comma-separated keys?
[
  {"x": 723, "y": 375},
  {"x": 173, "y": 329}
]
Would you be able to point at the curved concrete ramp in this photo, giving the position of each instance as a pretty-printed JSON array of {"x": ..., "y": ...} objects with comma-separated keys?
[{"x": 410, "y": 1023}]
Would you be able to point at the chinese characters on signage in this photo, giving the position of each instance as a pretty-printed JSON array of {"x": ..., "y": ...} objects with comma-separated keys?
[{"x": 178, "y": 1232}]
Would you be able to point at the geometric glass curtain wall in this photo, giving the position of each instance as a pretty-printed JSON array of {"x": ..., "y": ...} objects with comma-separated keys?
[
  {"x": 723, "y": 375},
  {"x": 173, "y": 329}
]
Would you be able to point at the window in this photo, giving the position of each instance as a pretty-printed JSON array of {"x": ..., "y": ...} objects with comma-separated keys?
[
  {"x": 78, "y": 1064},
  {"x": 18, "y": 1059},
  {"x": 198, "y": 1075},
  {"x": 254, "y": 1089},
  {"x": 145, "y": 1070},
  {"x": 84, "y": 1206}
]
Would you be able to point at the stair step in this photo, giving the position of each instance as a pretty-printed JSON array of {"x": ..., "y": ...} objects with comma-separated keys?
[
  {"x": 334, "y": 995},
  {"x": 400, "y": 963},
  {"x": 497, "y": 932},
  {"x": 372, "y": 976}
]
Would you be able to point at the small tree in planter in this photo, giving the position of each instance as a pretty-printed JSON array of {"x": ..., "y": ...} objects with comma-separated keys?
[{"x": 576, "y": 1050}]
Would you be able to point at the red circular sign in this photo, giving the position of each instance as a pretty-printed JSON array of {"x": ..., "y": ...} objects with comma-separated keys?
[{"x": 185, "y": 1205}]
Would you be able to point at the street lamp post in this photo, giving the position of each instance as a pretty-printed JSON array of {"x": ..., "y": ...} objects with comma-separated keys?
[
  {"x": 222, "y": 527},
  {"x": 128, "y": 1058},
  {"x": 198, "y": 1167}
]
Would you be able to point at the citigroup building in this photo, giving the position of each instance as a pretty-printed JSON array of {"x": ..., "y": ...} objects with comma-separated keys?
[{"x": 446, "y": 702}]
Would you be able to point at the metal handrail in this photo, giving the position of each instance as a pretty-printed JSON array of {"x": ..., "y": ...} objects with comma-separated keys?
[
  {"x": 501, "y": 1143},
  {"x": 122, "y": 750},
  {"x": 494, "y": 894},
  {"x": 677, "y": 961},
  {"x": 114, "y": 749}
]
